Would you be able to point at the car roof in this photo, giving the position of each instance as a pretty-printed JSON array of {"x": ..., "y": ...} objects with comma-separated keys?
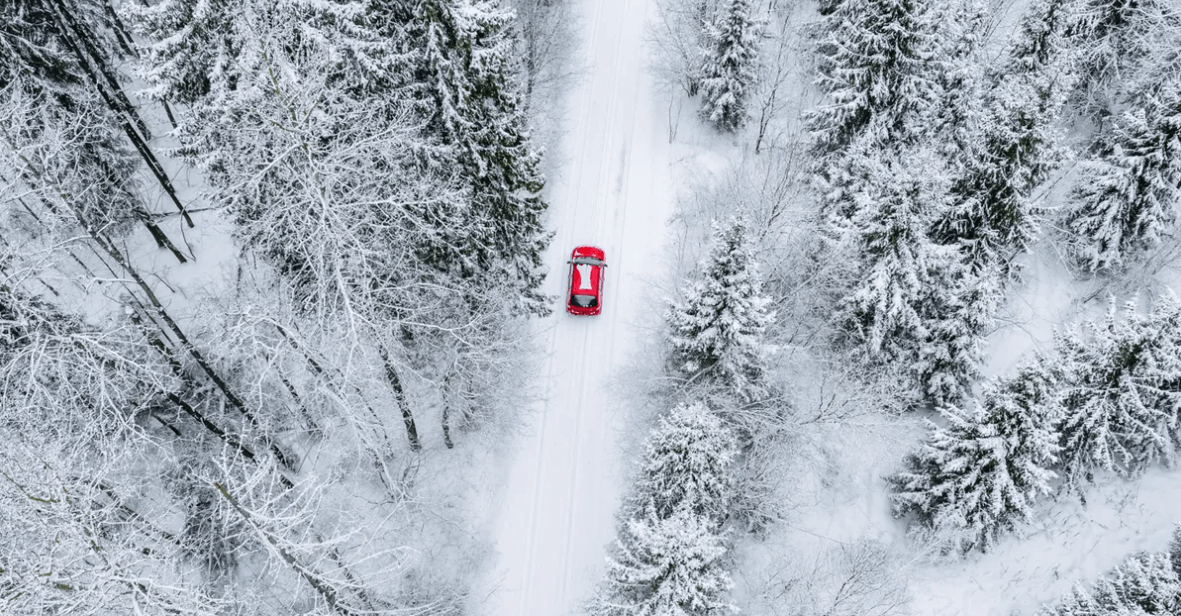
[{"x": 594, "y": 272}]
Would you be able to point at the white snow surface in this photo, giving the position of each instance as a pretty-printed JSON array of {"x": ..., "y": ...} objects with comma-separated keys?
[{"x": 612, "y": 190}]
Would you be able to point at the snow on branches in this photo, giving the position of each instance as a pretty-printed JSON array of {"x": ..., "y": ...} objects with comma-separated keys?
[
  {"x": 728, "y": 69},
  {"x": 716, "y": 331},
  {"x": 1128, "y": 197},
  {"x": 1145, "y": 583},
  {"x": 1107, "y": 399},
  {"x": 669, "y": 557},
  {"x": 977, "y": 477}
]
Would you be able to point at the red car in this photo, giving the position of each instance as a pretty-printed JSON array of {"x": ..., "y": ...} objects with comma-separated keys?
[{"x": 586, "y": 281}]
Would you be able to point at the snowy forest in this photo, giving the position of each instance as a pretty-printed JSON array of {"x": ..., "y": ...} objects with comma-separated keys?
[{"x": 890, "y": 322}]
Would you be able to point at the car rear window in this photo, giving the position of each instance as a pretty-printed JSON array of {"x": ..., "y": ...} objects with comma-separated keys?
[{"x": 584, "y": 301}]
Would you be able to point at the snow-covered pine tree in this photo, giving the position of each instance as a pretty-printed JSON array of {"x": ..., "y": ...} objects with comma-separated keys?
[
  {"x": 1144, "y": 584},
  {"x": 200, "y": 52},
  {"x": 191, "y": 47},
  {"x": 975, "y": 479},
  {"x": 716, "y": 331},
  {"x": 876, "y": 65},
  {"x": 1129, "y": 195},
  {"x": 1117, "y": 44},
  {"x": 665, "y": 566},
  {"x": 959, "y": 319},
  {"x": 1012, "y": 145},
  {"x": 686, "y": 465},
  {"x": 671, "y": 543},
  {"x": 908, "y": 288},
  {"x": 728, "y": 71},
  {"x": 962, "y": 27},
  {"x": 464, "y": 80},
  {"x": 1145, "y": 581},
  {"x": 1121, "y": 391}
]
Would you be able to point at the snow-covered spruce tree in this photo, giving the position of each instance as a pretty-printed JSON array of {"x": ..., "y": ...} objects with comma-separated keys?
[
  {"x": 975, "y": 479},
  {"x": 686, "y": 464},
  {"x": 728, "y": 71},
  {"x": 1118, "y": 45},
  {"x": 204, "y": 53},
  {"x": 1129, "y": 195},
  {"x": 962, "y": 27},
  {"x": 1145, "y": 583},
  {"x": 1011, "y": 146},
  {"x": 716, "y": 331},
  {"x": 463, "y": 77},
  {"x": 670, "y": 566},
  {"x": 876, "y": 68},
  {"x": 669, "y": 556},
  {"x": 1121, "y": 391},
  {"x": 915, "y": 306},
  {"x": 958, "y": 320}
]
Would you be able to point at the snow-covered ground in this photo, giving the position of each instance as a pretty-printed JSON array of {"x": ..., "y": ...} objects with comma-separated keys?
[{"x": 556, "y": 507}]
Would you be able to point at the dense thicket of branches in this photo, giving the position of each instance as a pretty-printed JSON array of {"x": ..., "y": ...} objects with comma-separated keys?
[{"x": 246, "y": 444}]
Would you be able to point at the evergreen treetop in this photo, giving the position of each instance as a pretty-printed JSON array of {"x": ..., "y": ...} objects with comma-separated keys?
[
  {"x": 878, "y": 68},
  {"x": 729, "y": 72},
  {"x": 975, "y": 479},
  {"x": 686, "y": 464},
  {"x": 1129, "y": 196},
  {"x": 716, "y": 331},
  {"x": 1121, "y": 391}
]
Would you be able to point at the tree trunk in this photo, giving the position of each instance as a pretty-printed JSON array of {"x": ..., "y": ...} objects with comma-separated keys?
[
  {"x": 396, "y": 384},
  {"x": 115, "y": 99},
  {"x": 447, "y": 398},
  {"x": 307, "y": 573}
]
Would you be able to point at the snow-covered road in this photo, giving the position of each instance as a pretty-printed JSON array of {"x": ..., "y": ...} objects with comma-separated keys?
[{"x": 556, "y": 511}]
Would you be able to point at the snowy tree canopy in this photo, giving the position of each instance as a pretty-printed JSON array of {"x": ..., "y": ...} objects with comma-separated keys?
[
  {"x": 463, "y": 79},
  {"x": 1128, "y": 197},
  {"x": 981, "y": 475},
  {"x": 1145, "y": 583},
  {"x": 716, "y": 331},
  {"x": 671, "y": 546},
  {"x": 1012, "y": 145},
  {"x": 671, "y": 566},
  {"x": 877, "y": 67},
  {"x": 1120, "y": 46},
  {"x": 686, "y": 464},
  {"x": 1120, "y": 392},
  {"x": 729, "y": 65},
  {"x": 914, "y": 303}
]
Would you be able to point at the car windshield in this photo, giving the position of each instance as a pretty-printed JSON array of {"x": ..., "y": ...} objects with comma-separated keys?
[
  {"x": 588, "y": 260},
  {"x": 584, "y": 301}
]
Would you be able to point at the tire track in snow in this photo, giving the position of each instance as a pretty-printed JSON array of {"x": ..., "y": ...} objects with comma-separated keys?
[
  {"x": 550, "y": 373},
  {"x": 562, "y": 491},
  {"x": 597, "y": 235}
]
